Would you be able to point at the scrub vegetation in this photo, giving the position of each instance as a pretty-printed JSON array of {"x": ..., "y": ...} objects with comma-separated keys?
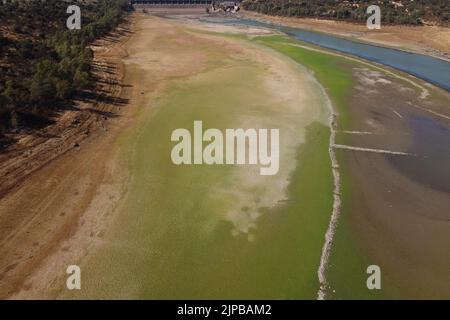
[
  {"x": 394, "y": 12},
  {"x": 43, "y": 64}
]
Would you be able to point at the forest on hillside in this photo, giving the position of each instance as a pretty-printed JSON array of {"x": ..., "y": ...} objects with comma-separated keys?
[
  {"x": 406, "y": 12},
  {"x": 43, "y": 64}
]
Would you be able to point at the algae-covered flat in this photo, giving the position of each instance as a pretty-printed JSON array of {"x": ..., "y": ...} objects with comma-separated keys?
[{"x": 222, "y": 231}]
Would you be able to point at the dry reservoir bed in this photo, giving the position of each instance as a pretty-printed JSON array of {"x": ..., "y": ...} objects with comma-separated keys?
[{"x": 151, "y": 229}]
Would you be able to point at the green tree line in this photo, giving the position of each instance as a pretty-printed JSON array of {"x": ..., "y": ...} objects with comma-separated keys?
[{"x": 43, "y": 64}]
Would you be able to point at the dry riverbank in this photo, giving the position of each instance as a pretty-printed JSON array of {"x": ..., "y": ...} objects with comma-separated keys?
[
  {"x": 60, "y": 184},
  {"x": 69, "y": 203}
]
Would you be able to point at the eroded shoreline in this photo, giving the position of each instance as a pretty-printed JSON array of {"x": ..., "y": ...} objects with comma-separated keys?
[{"x": 427, "y": 40}]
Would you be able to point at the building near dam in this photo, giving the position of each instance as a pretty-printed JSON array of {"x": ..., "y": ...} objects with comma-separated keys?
[
  {"x": 171, "y": 2},
  {"x": 226, "y": 5}
]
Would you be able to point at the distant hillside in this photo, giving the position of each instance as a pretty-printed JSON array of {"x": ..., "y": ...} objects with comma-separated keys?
[
  {"x": 43, "y": 65},
  {"x": 409, "y": 12}
]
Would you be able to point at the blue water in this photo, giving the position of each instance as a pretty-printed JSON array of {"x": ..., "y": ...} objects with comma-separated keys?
[
  {"x": 433, "y": 70},
  {"x": 432, "y": 149}
]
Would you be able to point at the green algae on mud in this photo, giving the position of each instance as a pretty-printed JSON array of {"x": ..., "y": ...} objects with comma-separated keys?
[
  {"x": 221, "y": 231},
  {"x": 332, "y": 72},
  {"x": 346, "y": 272},
  {"x": 337, "y": 81}
]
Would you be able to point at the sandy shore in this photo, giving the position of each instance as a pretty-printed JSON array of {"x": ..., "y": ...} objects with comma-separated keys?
[{"x": 429, "y": 40}]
